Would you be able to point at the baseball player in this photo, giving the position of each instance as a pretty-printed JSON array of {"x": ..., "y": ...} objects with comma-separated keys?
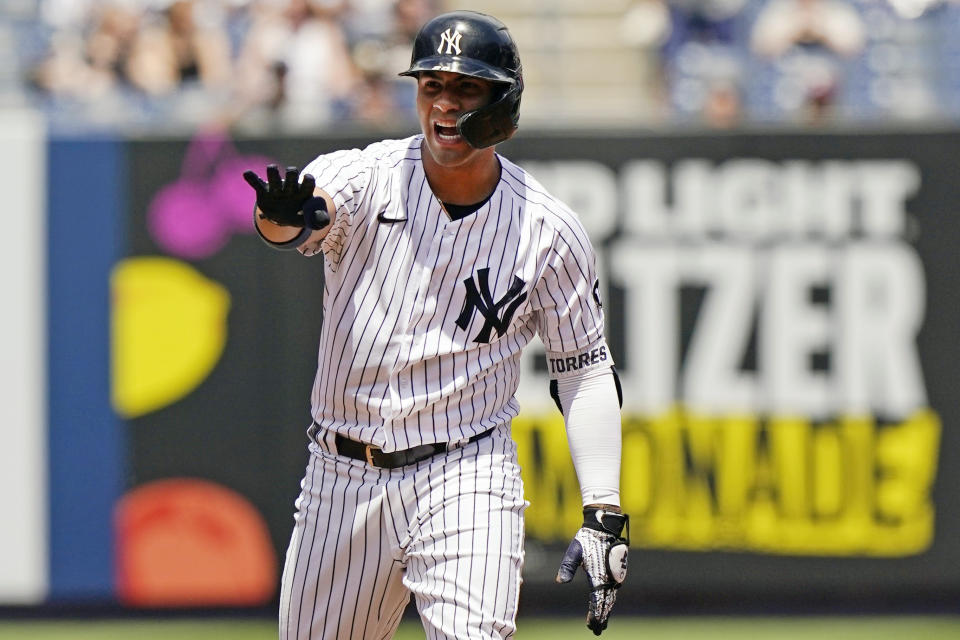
[{"x": 442, "y": 259}]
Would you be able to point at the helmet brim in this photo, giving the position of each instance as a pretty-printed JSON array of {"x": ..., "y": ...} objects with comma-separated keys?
[{"x": 457, "y": 64}]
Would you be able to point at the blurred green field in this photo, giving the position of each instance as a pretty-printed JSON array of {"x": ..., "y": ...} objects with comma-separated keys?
[{"x": 622, "y": 628}]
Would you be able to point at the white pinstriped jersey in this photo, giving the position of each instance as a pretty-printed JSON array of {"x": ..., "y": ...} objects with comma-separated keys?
[{"x": 425, "y": 316}]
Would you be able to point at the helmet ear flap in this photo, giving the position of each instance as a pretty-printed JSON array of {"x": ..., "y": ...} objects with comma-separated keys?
[{"x": 493, "y": 123}]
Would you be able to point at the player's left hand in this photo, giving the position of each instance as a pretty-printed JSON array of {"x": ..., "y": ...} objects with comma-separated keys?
[{"x": 599, "y": 547}]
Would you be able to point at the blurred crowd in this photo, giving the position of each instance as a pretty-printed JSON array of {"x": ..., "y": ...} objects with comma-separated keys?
[
  {"x": 811, "y": 62},
  {"x": 300, "y": 64},
  {"x": 294, "y": 64}
]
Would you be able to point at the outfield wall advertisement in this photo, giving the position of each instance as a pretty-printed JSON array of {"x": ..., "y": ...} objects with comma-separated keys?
[
  {"x": 782, "y": 310},
  {"x": 776, "y": 399}
]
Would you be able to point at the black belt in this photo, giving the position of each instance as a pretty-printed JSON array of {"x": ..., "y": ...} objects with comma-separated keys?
[{"x": 375, "y": 457}]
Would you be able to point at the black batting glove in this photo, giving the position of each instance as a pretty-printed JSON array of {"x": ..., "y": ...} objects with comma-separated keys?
[
  {"x": 599, "y": 547},
  {"x": 288, "y": 202}
]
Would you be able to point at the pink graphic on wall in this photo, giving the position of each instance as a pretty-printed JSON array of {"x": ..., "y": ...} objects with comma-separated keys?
[{"x": 195, "y": 216}]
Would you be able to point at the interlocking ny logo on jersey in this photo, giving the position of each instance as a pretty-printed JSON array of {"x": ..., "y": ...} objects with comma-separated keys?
[
  {"x": 452, "y": 40},
  {"x": 480, "y": 299}
]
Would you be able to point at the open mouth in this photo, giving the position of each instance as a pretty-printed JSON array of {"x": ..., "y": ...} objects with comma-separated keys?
[{"x": 446, "y": 133}]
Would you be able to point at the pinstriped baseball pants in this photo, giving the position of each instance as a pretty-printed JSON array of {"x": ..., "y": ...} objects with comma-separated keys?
[{"x": 448, "y": 529}]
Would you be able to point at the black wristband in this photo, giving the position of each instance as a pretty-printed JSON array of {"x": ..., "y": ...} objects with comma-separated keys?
[
  {"x": 289, "y": 245},
  {"x": 599, "y": 519}
]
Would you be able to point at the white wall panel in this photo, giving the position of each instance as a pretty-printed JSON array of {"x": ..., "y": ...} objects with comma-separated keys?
[{"x": 23, "y": 457}]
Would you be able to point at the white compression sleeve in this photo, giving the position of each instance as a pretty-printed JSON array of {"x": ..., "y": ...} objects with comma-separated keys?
[{"x": 591, "y": 411}]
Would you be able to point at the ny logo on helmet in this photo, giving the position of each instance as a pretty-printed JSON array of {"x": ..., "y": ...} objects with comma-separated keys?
[{"x": 452, "y": 40}]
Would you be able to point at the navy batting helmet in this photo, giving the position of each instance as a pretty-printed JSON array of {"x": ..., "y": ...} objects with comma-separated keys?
[{"x": 477, "y": 45}]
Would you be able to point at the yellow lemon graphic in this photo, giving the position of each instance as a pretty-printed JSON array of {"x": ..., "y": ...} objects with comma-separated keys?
[{"x": 169, "y": 330}]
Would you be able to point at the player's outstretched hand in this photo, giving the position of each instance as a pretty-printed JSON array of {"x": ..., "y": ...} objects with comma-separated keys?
[
  {"x": 599, "y": 547},
  {"x": 284, "y": 201}
]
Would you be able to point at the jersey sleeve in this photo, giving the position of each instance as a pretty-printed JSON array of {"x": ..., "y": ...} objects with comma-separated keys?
[
  {"x": 344, "y": 175},
  {"x": 570, "y": 313}
]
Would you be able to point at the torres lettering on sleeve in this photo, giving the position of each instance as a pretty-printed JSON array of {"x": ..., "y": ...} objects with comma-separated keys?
[{"x": 579, "y": 361}]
